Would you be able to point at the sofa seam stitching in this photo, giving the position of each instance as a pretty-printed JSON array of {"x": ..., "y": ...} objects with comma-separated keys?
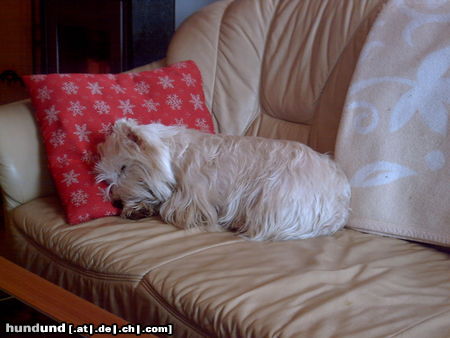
[
  {"x": 157, "y": 297},
  {"x": 191, "y": 253}
]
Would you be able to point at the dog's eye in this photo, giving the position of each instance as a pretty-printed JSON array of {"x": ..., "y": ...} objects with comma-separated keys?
[{"x": 123, "y": 168}]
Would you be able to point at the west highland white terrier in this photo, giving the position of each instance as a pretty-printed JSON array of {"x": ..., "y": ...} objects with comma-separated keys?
[{"x": 262, "y": 189}]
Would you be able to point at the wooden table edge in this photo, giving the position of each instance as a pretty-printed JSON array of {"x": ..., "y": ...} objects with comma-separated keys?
[{"x": 54, "y": 301}]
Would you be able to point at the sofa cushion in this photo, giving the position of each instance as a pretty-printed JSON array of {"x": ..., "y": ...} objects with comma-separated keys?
[
  {"x": 216, "y": 284},
  {"x": 394, "y": 142},
  {"x": 76, "y": 111},
  {"x": 289, "y": 61}
]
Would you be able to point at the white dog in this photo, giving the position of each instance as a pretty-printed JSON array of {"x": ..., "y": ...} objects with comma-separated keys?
[{"x": 261, "y": 188}]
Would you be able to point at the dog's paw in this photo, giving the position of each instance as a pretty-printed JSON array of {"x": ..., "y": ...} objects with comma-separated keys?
[{"x": 138, "y": 211}]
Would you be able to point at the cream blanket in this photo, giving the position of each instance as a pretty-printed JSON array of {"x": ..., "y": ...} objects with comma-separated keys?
[{"x": 393, "y": 141}]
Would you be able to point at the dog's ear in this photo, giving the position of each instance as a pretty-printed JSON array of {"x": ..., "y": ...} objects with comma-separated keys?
[
  {"x": 127, "y": 127},
  {"x": 124, "y": 126},
  {"x": 133, "y": 136},
  {"x": 100, "y": 148}
]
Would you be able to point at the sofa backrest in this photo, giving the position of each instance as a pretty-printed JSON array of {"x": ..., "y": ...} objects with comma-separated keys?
[
  {"x": 277, "y": 68},
  {"x": 273, "y": 68}
]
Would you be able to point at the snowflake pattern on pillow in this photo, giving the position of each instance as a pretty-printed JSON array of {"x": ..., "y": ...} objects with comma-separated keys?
[{"x": 76, "y": 111}]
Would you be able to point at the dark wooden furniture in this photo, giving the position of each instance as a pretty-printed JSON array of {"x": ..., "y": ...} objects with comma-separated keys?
[
  {"x": 51, "y": 300},
  {"x": 100, "y": 36}
]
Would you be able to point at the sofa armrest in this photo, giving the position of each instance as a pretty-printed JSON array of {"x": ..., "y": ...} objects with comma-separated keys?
[{"x": 24, "y": 173}]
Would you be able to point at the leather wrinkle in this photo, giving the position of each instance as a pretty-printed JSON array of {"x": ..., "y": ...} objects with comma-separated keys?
[
  {"x": 263, "y": 58},
  {"x": 313, "y": 28},
  {"x": 337, "y": 61},
  {"x": 417, "y": 324},
  {"x": 352, "y": 38},
  {"x": 7, "y": 196},
  {"x": 106, "y": 276},
  {"x": 255, "y": 114},
  {"x": 290, "y": 74},
  {"x": 77, "y": 269},
  {"x": 173, "y": 311},
  {"x": 213, "y": 89}
]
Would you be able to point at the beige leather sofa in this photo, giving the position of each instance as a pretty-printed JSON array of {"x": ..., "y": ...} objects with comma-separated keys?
[{"x": 273, "y": 68}]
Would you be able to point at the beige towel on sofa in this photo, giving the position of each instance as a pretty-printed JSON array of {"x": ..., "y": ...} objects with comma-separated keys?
[{"x": 393, "y": 141}]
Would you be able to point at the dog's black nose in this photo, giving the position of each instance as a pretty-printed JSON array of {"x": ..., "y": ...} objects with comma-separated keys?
[{"x": 117, "y": 204}]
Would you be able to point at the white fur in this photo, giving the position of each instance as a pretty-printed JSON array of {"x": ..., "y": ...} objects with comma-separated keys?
[{"x": 261, "y": 188}]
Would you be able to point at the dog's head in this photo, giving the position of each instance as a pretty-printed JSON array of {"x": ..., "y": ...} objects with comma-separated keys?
[{"x": 135, "y": 163}]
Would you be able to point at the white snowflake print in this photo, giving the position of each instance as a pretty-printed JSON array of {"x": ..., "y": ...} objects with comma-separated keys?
[
  {"x": 70, "y": 178},
  {"x": 82, "y": 132},
  {"x": 84, "y": 218},
  {"x": 63, "y": 161},
  {"x": 95, "y": 88},
  {"x": 70, "y": 88},
  {"x": 188, "y": 79},
  {"x": 202, "y": 124},
  {"x": 142, "y": 88},
  {"x": 88, "y": 157},
  {"x": 38, "y": 77},
  {"x": 58, "y": 138},
  {"x": 64, "y": 75},
  {"x": 103, "y": 193},
  {"x": 118, "y": 88},
  {"x": 111, "y": 76},
  {"x": 109, "y": 213},
  {"x": 101, "y": 107},
  {"x": 196, "y": 101},
  {"x": 156, "y": 121},
  {"x": 51, "y": 115},
  {"x": 79, "y": 198},
  {"x": 106, "y": 129},
  {"x": 76, "y": 108},
  {"x": 174, "y": 101},
  {"x": 133, "y": 75},
  {"x": 166, "y": 82},
  {"x": 126, "y": 106},
  {"x": 180, "y": 122},
  {"x": 180, "y": 65},
  {"x": 44, "y": 93},
  {"x": 150, "y": 105}
]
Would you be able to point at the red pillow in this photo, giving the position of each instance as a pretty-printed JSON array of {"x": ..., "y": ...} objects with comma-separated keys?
[{"x": 76, "y": 111}]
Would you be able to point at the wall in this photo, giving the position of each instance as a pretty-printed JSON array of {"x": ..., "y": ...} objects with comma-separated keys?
[{"x": 184, "y": 8}]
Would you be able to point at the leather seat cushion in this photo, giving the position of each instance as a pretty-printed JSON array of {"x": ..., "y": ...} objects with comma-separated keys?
[{"x": 349, "y": 284}]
